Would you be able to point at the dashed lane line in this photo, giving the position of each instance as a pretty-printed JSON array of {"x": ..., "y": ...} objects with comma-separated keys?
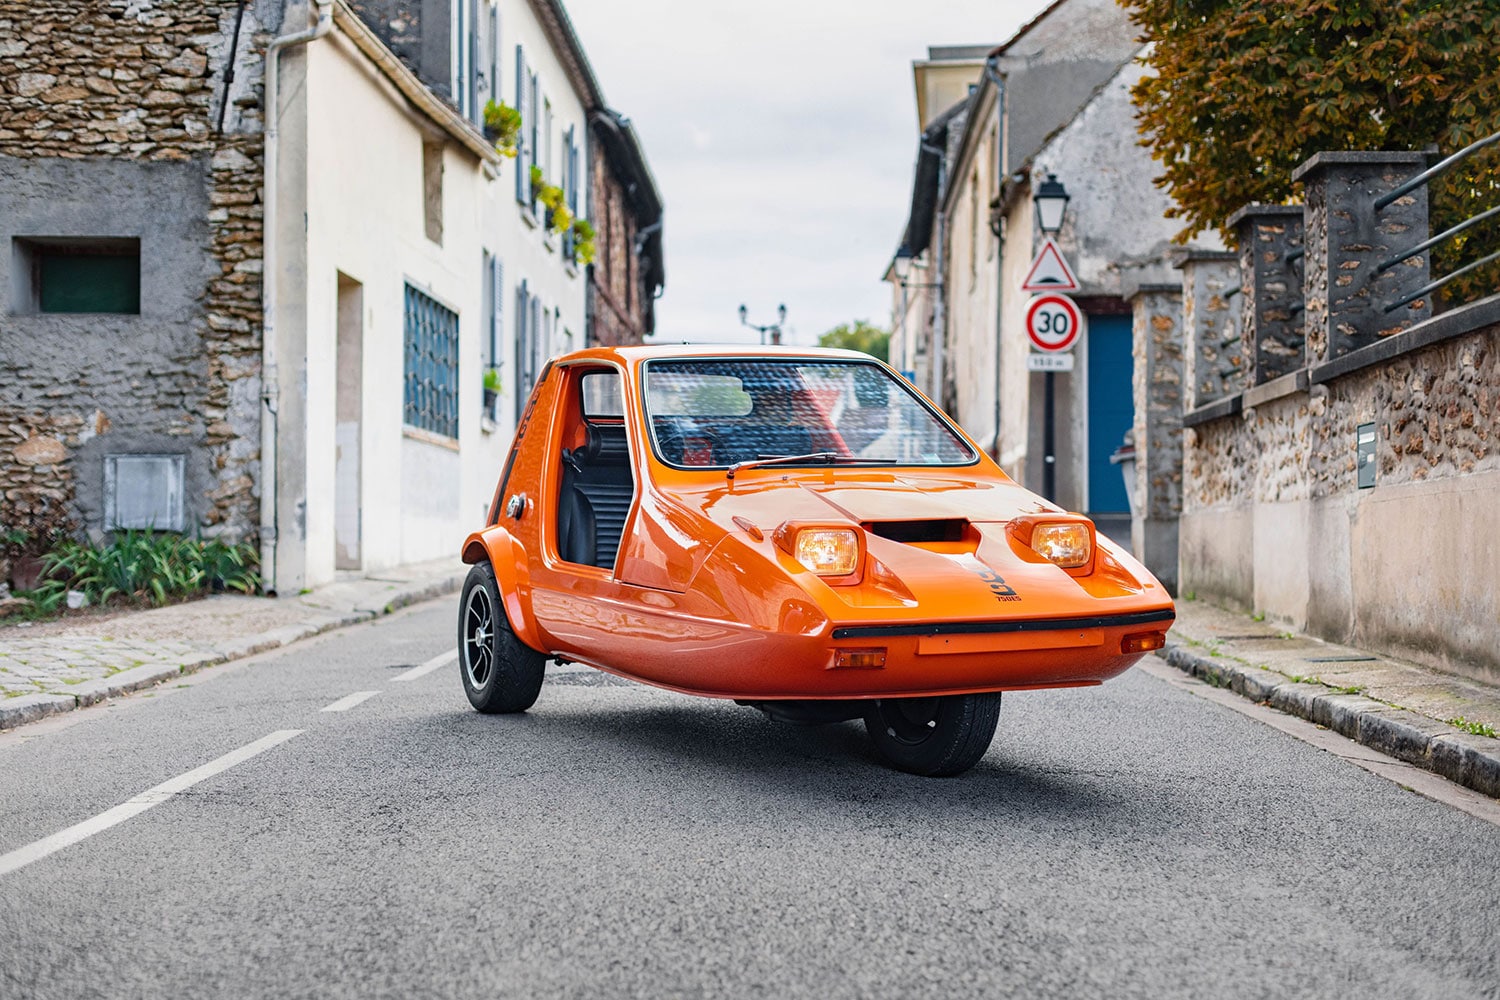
[
  {"x": 423, "y": 669},
  {"x": 349, "y": 701},
  {"x": 23, "y": 856}
]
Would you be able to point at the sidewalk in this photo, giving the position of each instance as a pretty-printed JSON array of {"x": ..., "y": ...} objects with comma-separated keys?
[
  {"x": 51, "y": 667},
  {"x": 1400, "y": 709}
]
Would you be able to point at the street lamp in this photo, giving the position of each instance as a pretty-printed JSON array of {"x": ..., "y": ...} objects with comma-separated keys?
[
  {"x": 902, "y": 263},
  {"x": 1051, "y": 202},
  {"x": 774, "y": 329},
  {"x": 901, "y": 266}
]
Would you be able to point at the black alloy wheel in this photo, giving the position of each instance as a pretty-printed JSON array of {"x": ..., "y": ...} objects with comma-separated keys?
[
  {"x": 500, "y": 673},
  {"x": 933, "y": 737}
]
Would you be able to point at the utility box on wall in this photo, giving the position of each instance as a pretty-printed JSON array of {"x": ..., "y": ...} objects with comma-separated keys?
[
  {"x": 143, "y": 491},
  {"x": 1365, "y": 443}
]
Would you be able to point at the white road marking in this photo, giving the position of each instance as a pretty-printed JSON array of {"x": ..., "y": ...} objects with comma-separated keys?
[
  {"x": 349, "y": 701},
  {"x": 424, "y": 669},
  {"x": 23, "y": 856},
  {"x": 1414, "y": 779}
]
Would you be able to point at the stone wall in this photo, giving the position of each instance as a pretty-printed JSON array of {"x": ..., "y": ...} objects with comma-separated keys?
[
  {"x": 121, "y": 120},
  {"x": 1158, "y": 390},
  {"x": 1216, "y": 368}
]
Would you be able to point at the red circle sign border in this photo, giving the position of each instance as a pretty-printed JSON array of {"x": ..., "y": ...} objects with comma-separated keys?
[{"x": 1074, "y": 313}]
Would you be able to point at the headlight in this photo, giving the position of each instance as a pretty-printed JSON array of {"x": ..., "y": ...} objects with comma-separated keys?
[
  {"x": 1065, "y": 545},
  {"x": 828, "y": 551}
]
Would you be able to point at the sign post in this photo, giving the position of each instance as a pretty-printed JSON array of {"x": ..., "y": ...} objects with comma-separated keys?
[
  {"x": 1053, "y": 323},
  {"x": 1050, "y": 271}
]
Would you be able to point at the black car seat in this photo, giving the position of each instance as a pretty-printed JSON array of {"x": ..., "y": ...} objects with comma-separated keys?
[{"x": 597, "y": 490}]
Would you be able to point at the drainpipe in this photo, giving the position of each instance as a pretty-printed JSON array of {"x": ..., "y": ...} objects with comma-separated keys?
[
  {"x": 939, "y": 316},
  {"x": 269, "y": 391},
  {"x": 992, "y": 73},
  {"x": 939, "y": 313}
]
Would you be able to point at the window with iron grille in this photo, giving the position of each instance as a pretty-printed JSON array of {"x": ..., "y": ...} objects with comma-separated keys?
[{"x": 431, "y": 365}]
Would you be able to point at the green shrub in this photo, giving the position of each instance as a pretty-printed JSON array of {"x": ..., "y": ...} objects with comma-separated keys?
[{"x": 145, "y": 567}]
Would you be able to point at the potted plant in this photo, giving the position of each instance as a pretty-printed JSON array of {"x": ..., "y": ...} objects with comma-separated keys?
[
  {"x": 502, "y": 126},
  {"x": 559, "y": 218},
  {"x": 583, "y": 236},
  {"x": 491, "y": 391}
]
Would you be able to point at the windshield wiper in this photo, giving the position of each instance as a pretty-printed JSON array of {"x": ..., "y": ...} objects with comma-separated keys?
[{"x": 827, "y": 457}]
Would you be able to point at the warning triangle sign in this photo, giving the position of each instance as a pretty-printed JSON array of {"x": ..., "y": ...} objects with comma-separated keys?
[{"x": 1050, "y": 271}]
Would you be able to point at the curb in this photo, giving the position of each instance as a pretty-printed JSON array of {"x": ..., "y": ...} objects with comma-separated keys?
[
  {"x": 34, "y": 707},
  {"x": 1471, "y": 761}
]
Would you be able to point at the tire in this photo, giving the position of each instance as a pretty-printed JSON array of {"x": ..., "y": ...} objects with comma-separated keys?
[
  {"x": 933, "y": 737},
  {"x": 500, "y": 672}
]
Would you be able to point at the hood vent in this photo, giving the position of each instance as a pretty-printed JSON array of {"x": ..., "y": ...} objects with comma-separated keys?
[{"x": 919, "y": 532}]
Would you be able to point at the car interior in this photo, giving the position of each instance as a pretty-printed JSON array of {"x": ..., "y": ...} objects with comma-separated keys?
[{"x": 597, "y": 485}]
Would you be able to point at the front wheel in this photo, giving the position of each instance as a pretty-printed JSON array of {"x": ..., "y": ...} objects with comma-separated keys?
[
  {"x": 500, "y": 672},
  {"x": 933, "y": 737}
]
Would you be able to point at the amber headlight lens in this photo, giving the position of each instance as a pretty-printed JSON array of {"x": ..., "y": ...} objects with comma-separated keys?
[
  {"x": 828, "y": 551},
  {"x": 1065, "y": 545}
]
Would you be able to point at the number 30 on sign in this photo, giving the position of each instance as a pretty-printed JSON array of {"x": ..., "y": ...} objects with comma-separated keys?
[{"x": 1053, "y": 322}]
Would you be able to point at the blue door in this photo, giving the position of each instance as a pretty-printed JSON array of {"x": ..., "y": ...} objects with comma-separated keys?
[{"x": 1111, "y": 410}]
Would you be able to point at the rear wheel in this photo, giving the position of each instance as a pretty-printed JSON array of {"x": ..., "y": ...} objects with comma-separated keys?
[
  {"x": 500, "y": 672},
  {"x": 933, "y": 737}
]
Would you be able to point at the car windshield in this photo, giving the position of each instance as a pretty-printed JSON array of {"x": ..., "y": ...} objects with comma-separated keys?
[{"x": 721, "y": 413}]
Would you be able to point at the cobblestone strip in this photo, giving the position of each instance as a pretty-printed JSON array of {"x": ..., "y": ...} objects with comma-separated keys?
[{"x": 1468, "y": 760}]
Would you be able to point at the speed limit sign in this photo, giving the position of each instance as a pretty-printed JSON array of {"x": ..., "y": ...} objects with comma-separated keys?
[{"x": 1053, "y": 322}]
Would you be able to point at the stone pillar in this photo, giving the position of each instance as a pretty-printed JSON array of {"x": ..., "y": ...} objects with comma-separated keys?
[
  {"x": 1271, "y": 314},
  {"x": 1158, "y": 389},
  {"x": 1347, "y": 240},
  {"x": 1213, "y": 362}
]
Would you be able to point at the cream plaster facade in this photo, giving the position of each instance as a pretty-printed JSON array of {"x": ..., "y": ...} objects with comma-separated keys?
[{"x": 358, "y": 488}]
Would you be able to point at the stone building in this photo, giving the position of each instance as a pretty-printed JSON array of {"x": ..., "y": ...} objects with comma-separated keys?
[
  {"x": 1052, "y": 100},
  {"x": 628, "y": 272},
  {"x": 130, "y": 229},
  {"x": 164, "y": 364}
]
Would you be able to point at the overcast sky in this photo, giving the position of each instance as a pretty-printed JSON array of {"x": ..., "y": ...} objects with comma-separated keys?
[{"x": 782, "y": 135}]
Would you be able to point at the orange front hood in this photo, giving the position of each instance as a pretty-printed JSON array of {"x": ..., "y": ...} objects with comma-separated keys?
[{"x": 872, "y": 497}]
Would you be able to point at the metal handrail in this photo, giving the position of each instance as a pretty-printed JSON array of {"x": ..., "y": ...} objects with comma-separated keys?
[
  {"x": 1411, "y": 185},
  {"x": 1435, "y": 170},
  {"x": 1391, "y": 262},
  {"x": 1435, "y": 285}
]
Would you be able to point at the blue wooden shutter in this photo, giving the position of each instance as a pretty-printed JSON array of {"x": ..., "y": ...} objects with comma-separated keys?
[
  {"x": 523, "y": 382},
  {"x": 523, "y": 173},
  {"x": 494, "y": 77},
  {"x": 497, "y": 320}
]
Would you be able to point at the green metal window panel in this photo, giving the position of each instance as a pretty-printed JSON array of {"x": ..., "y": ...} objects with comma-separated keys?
[
  {"x": 70, "y": 282},
  {"x": 431, "y": 365}
]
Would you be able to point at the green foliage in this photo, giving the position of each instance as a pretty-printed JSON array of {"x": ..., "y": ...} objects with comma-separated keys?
[
  {"x": 502, "y": 123},
  {"x": 584, "y": 234},
  {"x": 1473, "y": 728},
  {"x": 144, "y": 567},
  {"x": 1246, "y": 90},
  {"x": 860, "y": 335},
  {"x": 492, "y": 379}
]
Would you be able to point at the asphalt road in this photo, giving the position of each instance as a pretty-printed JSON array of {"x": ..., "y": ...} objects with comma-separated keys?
[{"x": 1131, "y": 840}]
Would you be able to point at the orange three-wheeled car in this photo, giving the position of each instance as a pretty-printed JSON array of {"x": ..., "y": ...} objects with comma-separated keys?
[{"x": 798, "y": 530}]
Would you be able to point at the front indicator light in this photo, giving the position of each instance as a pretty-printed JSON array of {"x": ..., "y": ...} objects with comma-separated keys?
[
  {"x": 858, "y": 659},
  {"x": 1143, "y": 642},
  {"x": 828, "y": 551},
  {"x": 1065, "y": 545}
]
